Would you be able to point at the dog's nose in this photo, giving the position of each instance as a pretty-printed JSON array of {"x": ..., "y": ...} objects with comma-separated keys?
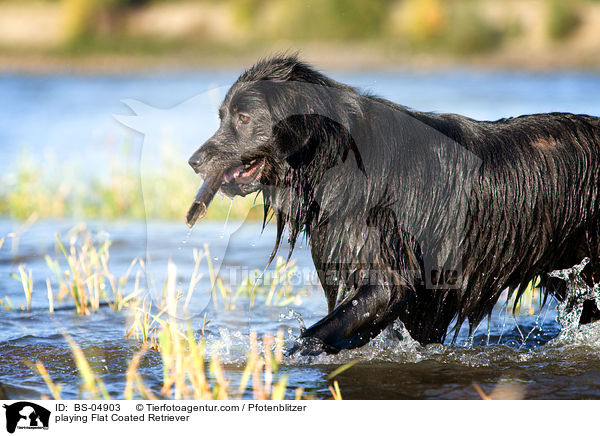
[
  {"x": 194, "y": 163},
  {"x": 196, "y": 160}
]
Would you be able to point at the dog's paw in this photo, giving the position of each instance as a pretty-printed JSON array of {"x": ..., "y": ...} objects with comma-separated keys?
[{"x": 311, "y": 346}]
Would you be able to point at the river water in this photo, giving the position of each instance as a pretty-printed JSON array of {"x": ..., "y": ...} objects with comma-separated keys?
[{"x": 517, "y": 353}]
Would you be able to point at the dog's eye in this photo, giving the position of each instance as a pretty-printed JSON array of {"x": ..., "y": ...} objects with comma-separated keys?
[{"x": 244, "y": 119}]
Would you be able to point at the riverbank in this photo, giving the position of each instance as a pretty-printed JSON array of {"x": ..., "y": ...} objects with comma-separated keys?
[{"x": 357, "y": 57}]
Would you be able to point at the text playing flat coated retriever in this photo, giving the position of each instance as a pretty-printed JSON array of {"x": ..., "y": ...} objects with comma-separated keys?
[{"x": 414, "y": 216}]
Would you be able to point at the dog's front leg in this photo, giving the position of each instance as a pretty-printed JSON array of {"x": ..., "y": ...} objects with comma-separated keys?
[{"x": 353, "y": 323}]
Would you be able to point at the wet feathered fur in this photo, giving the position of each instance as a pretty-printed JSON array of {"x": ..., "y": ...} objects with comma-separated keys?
[{"x": 348, "y": 171}]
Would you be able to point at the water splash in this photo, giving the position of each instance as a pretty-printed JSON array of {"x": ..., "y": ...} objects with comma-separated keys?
[
  {"x": 537, "y": 328},
  {"x": 397, "y": 338},
  {"x": 292, "y": 314},
  {"x": 222, "y": 235},
  {"x": 570, "y": 309}
]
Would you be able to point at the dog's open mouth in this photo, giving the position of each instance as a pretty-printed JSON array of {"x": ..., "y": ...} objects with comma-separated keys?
[
  {"x": 244, "y": 174},
  {"x": 231, "y": 180}
]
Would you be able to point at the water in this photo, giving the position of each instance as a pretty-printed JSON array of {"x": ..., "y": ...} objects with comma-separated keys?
[
  {"x": 68, "y": 120},
  {"x": 496, "y": 358}
]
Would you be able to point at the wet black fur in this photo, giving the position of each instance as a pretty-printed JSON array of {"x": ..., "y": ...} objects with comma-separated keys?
[{"x": 532, "y": 204}]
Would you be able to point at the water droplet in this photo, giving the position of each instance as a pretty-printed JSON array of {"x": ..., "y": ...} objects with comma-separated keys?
[
  {"x": 292, "y": 314},
  {"x": 354, "y": 302}
]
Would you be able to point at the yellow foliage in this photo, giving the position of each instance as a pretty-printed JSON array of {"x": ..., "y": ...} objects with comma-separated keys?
[{"x": 420, "y": 20}]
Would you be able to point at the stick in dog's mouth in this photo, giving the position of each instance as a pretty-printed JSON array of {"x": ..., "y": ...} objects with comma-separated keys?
[
  {"x": 203, "y": 198},
  {"x": 240, "y": 175}
]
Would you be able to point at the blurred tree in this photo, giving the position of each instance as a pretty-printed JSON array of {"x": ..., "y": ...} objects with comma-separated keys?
[
  {"x": 358, "y": 19},
  {"x": 325, "y": 19},
  {"x": 246, "y": 11},
  {"x": 562, "y": 18},
  {"x": 87, "y": 19},
  {"x": 469, "y": 30},
  {"x": 421, "y": 22}
]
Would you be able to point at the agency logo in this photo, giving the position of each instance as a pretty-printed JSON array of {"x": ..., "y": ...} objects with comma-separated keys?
[{"x": 24, "y": 415}]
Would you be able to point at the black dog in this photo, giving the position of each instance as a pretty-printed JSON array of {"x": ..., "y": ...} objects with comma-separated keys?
[{"x": 417, "y": 216}]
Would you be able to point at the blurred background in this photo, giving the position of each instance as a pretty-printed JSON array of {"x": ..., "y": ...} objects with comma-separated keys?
[{"x": 125, "y": 34}]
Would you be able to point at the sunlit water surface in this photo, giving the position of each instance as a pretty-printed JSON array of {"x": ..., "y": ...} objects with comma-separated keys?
[{"x": 517, "y": 353}]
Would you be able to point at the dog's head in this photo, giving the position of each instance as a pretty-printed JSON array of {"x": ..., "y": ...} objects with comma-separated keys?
[
  {"x": 239, "y": 149},
  {"x": 258, "y": 137}
]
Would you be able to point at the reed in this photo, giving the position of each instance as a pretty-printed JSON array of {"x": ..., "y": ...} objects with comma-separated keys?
[
  {"x": 27, "y": 282},
  {"x": 88, "y": 281},
  {"x": 274, "y": 287},
  {"x": 190, "y": 372},
  {"x": 34, "y": 189}
]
